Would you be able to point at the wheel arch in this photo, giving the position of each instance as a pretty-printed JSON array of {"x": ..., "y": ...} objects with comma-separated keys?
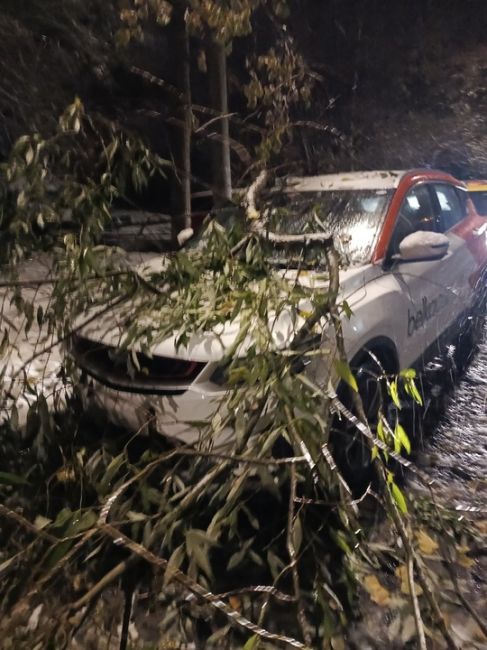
[{"x": 383, "y": 348}]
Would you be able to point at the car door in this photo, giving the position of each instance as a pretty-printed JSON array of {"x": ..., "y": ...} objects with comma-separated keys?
[
  {"x": 454, "y": 222},
  {"x": 428, "y": 285}
]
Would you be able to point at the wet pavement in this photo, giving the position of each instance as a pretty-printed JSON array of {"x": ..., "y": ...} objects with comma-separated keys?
[
  {"x": 454, "y": 449},
  {"x": 452, "y": 460}
]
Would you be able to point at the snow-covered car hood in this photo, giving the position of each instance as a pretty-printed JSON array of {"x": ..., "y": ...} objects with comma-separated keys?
[{"x": 211, "y": 346}]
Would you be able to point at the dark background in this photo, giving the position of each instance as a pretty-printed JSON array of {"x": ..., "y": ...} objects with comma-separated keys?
[{"x": 397, "y": 84}]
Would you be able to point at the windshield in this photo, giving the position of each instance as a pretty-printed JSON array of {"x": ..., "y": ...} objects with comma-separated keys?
[
  {"x": 480, "y": 201},
  {"x": 352, "y": 217}
]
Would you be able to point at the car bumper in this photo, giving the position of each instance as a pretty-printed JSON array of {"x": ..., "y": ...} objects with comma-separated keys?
[{"x": 183, "y": 417}]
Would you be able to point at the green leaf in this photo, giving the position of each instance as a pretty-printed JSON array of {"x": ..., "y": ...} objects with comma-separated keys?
[
  {"x": 4, "y": 343},
  {"x": 58, "y": 552},
  {"x": 14, "y": 418},
  {"x": 408, "y": 373},
  {"x": 63, "y": 517},
  {"x": 401, "y": 439},
  {"x": 197, "y": 543},
  {"x": 412, "y": 391},
  {"x": 345, "y": 373},
  {"x": 12, "y": 479},
  {"x": 297, "y": 534},
  {"x": 237, "y": 557},
  {"x": 251, "y": 644},
  {"x": 380, "y": 430},
  {"x": 200, "y": 556},
  {"x": 394, "y": 393},
  {"x": 81, "y": 521},
  {"x": 174, "y": 563},
  {"x": 346, "y": 309},
  {"x": 111, "y": 471},
  {"x": 274, "y": 563},
  {"x": 342, "y": 542},
  {"x": 136, "y": 516},
  {"x": 41, "y": 522},
  {"x": 254, "y": 522},
  {"x": 5, "y": 565},
  {"x": 399, "y": 498}
]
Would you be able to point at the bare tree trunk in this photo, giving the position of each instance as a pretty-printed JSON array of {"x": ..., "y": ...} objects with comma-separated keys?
[
  {"x": 220, "y": 144},
  {"x": 181, "y": 123}
]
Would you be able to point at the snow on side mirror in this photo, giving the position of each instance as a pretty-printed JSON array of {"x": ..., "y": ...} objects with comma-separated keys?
[{"x": 423, "y": 245}]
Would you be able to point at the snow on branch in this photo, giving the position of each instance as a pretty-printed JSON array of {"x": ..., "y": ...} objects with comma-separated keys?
[{"x": 254, "y": 216}]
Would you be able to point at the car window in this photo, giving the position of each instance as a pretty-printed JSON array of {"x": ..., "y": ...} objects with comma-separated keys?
[
  {"x": 452, "y": 209},
  {"x": 479, "y": 198},
  {"x": 416, "y": 213}
]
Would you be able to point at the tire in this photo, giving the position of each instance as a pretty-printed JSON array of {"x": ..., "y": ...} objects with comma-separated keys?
[
  {"x": 350, "y": 449},
  {"x": 470, "y": 339}
]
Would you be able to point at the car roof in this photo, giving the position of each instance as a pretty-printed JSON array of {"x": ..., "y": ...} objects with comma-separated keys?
[
  {"x": 365, "y": 180},
  {"x": 476, "y": 186}
]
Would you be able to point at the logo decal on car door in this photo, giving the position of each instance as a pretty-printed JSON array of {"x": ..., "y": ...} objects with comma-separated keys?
[{"x": 428, "y": 309}]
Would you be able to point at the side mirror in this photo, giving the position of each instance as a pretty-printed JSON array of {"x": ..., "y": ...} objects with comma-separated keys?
[{"x": 423, "y": 245}]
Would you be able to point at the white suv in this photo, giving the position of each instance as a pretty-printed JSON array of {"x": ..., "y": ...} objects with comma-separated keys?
[{"x": 416, "y": 256}]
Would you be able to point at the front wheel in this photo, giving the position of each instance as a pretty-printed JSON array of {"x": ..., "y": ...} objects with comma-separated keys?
[{"x": 351, "y": 450}]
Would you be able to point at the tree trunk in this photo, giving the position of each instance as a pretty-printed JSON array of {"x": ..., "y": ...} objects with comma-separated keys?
[
  {"x": 181, "y": 123},
  {"x": 220, "y": 143}
]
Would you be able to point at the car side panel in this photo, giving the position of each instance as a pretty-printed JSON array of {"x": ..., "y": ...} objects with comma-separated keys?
[
  {"x": 439, "y": 290},
  {"x": 383, "y": 311},
  {"x": 413, "y": 303}
]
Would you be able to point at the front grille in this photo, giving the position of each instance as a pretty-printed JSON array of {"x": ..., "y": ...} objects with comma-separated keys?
[{"x": 115, "y": 368}]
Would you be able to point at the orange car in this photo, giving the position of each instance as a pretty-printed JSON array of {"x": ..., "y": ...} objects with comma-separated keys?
[{"x": 477, "y": 191}]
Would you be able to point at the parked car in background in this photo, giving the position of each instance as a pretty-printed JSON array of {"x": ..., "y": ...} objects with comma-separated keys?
[
  {"x": 477, "y": 191},
  {"x": 136, "y": 230},
  {"x": 415, "y": 257}
]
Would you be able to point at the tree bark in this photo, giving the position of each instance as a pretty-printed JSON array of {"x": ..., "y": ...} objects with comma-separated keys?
[
  {"x": 181, "y": 123},
  {"x": 220, "y": 143}
]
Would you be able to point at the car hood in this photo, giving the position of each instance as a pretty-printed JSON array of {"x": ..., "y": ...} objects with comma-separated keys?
[{"x": 212, "y": 346}]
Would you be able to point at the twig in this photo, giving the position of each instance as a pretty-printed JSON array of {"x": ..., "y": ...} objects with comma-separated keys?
[
  {"x": 259, "y": 589},
  {"x": 108, "y": 578},
  {"x": 305, "y": 239},
  {"x": 127, "y": 613},
  {"x": 234, "y": 617},
  {"x": 414, "y": 599},
  {"x": 19, "y": 284},
  {"x": 303, "y": 623},
  {"x": 157, "y": 81}
]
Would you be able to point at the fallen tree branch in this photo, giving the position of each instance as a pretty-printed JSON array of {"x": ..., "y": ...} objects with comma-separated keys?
[
  {"x": 303, "y": 623},
  {"x": 193, "y": 587},
  {"x": 252, "y": 194}
]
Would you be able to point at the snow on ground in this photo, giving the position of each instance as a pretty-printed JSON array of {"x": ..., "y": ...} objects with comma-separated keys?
[{"x": 32, "y": 363}]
